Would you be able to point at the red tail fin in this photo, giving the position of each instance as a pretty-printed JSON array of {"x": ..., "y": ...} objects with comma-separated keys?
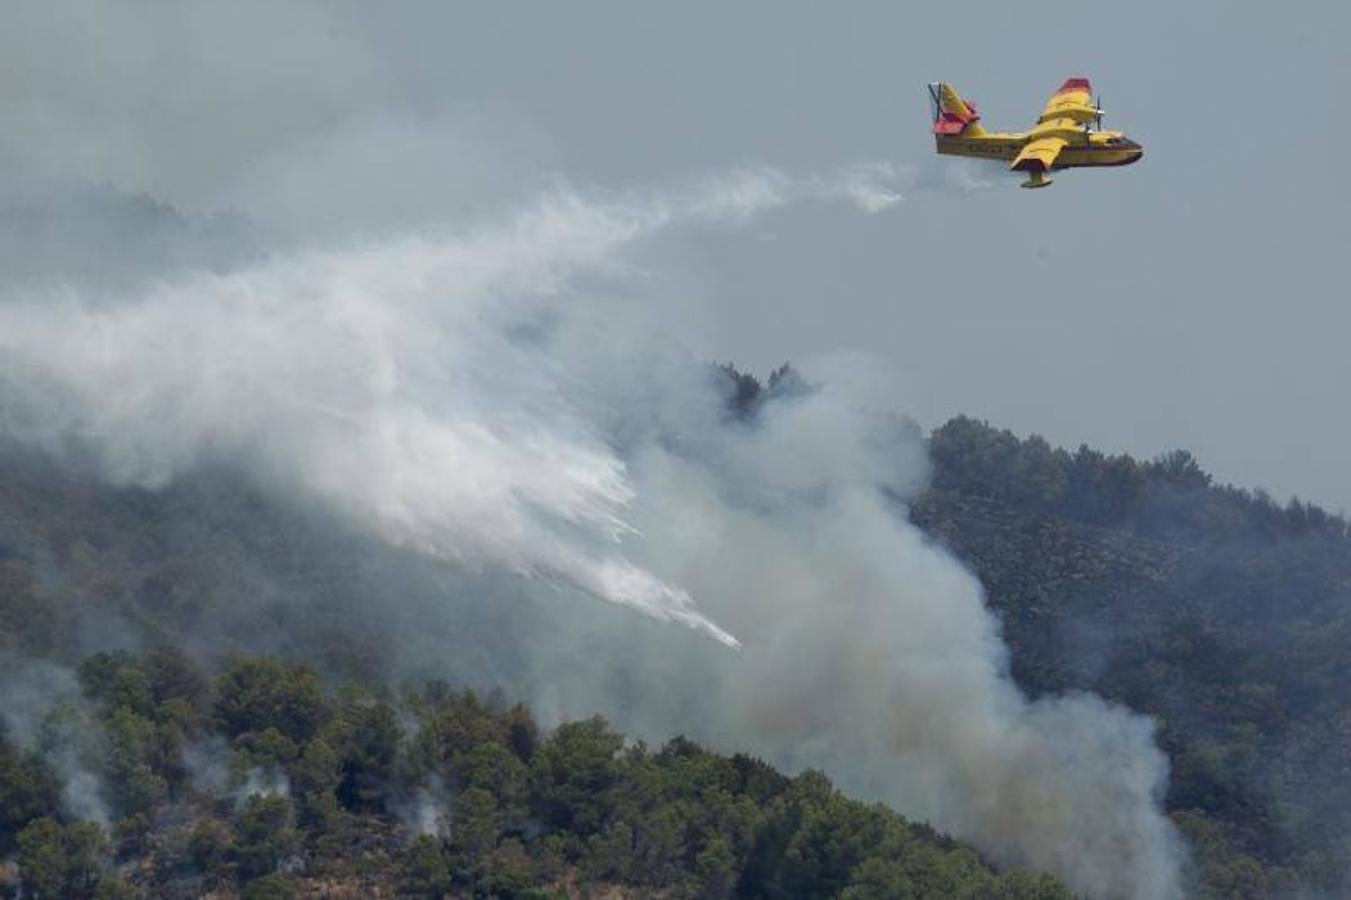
[{"x": 952, "y": 114}]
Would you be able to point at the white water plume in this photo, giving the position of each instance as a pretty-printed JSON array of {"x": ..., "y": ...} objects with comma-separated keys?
[
  {"x": 387, "y": 379},
  {"x": 499, "y": 399}
]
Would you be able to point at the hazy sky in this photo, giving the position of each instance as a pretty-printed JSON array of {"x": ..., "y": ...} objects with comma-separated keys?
[{"x": 1197, "y": 299}]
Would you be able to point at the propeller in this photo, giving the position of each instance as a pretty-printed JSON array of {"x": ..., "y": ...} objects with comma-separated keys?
[{"x": 1097, "y": 104}]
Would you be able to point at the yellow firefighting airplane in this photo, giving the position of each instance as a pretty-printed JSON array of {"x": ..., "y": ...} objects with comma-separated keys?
[{"x": 1062, "y": 139}]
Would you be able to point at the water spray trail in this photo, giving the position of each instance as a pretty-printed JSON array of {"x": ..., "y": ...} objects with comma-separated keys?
[
  {"x": 463, "y": 395},
  {"x": 360, "y": 376}
]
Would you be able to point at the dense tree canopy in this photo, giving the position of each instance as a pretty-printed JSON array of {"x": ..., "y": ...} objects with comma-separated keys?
[{"x": 354, "y": 787}]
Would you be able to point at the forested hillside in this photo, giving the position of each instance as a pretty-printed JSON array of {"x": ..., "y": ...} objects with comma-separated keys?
[
  {"x": 1223, "y": 614},
  {"x": 309, "y": 765},
  {"x": 263, "y": 781},
  {"x": 185, "y": 768}
]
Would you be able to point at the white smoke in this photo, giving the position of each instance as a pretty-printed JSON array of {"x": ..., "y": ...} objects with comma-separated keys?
[
  {"x": 43, "y": 712},
  {"x": 427, "y": 812},
  {"x": 869, "y": 653},
  {"x": 500, "y": 399},
  {"x": 207, "y": 762},
  {"x": 262, "y": 781}
]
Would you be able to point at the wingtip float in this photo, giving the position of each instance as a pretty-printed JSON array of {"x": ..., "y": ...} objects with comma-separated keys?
[{"x": 1068, "y": 134}]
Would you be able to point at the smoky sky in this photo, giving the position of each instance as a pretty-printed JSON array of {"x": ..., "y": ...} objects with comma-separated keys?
[
  {"x": 423, "y": 264},
  {"x": 1192, "y": 300}
]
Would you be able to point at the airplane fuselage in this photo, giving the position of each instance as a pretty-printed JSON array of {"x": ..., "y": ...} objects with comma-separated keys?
[{"x": 1094, "y": 148}]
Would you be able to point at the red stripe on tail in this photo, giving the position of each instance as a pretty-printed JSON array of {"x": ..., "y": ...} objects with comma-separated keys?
[{"x": 1075, "y": 84}]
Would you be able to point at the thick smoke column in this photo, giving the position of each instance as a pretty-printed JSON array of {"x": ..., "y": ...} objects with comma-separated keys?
[{"x": 500, "y": 398}]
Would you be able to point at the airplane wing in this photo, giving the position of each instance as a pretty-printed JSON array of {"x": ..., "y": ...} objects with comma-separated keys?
[
  {"x": 1071, "y": 106},
  {"x": 1073, "y": 101},
  {"x": 1038, "y": 155}
]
